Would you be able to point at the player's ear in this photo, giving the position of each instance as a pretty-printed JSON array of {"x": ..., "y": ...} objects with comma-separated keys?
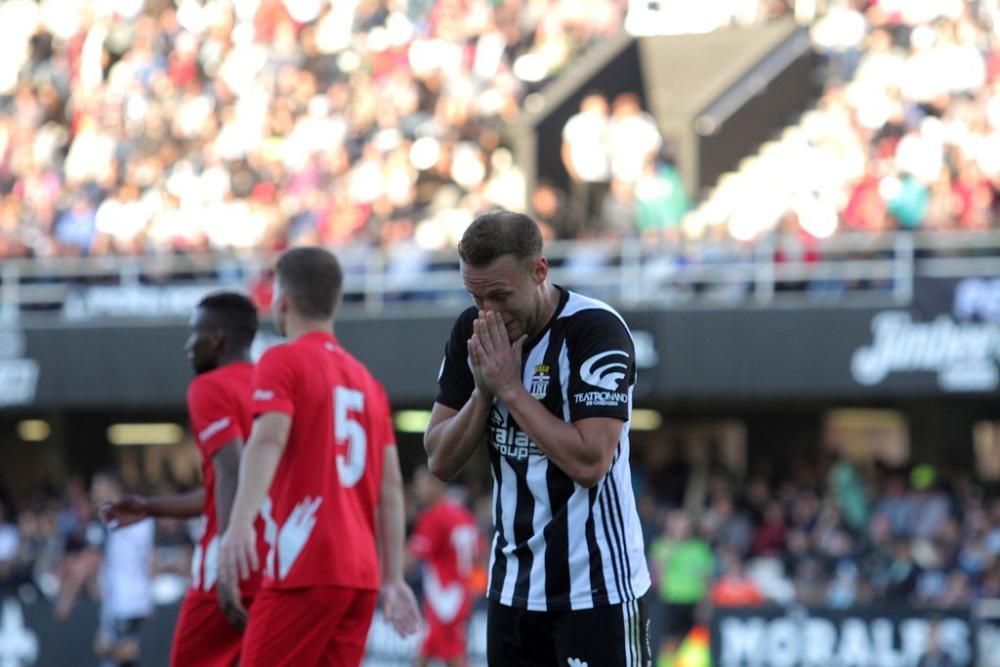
[
  {"x": 539, "y": 270},
  {"x": 218, "y": 339}
]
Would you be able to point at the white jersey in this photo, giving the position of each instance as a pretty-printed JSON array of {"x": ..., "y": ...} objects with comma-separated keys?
[{"x": 126, "y": 572}]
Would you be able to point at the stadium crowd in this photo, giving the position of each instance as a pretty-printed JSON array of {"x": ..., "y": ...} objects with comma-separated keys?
[
  {"x": 904, "y": 136},
  {"x": 133, "y": 127},
  {"x": 829, "y": 535},
  {"x": 145, "y": 127}
]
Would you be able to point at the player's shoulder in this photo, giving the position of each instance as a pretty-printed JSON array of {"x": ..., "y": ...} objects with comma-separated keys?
[
  {"x": 284, "y": 353},
  {"x": 357, "y": 370},
  {"x": 587, "y": 312},
  {"x": 209, "y": 383}
]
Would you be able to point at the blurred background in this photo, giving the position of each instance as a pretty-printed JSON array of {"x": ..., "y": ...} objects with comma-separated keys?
[{"x": 794, "y": 203}]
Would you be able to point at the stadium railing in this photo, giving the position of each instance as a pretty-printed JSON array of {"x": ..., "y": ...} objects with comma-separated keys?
[{"x": 847, "y": 269}]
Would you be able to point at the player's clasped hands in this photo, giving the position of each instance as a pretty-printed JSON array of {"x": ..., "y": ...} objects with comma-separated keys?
[
  {"x": 238, "y": 554},
  {"x": 495, "y": 362}
]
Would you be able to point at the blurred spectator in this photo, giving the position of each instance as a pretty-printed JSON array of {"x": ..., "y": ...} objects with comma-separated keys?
[
  {"x": 633, "y": 138},
  {"x": 726, "y": 525},
  {"x": 586, "y": 156},
  {"x": 682, "y": 565},
  {"x": 935, "y": 655},
  {"x": 9, "y": 547},
  {"x": 769, "y": 534},
  {"x": 733, "y": 588},
  {"x": 660, "y": 202},
  {"x": 849, "y": 493}
]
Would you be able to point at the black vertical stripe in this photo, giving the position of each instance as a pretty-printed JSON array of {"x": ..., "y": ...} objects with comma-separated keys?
[
  {"x": 630, "y": 633},
  {"x": 623, "y": 544},
  {"x": 613, "y": 511},
  {"x": 598, "y": 587},
  {"x": 557, "y": 574},
  {"x": 499, "y": 572},
  {"x": 524, "y": 514},
  {"x": 611, "y": 539},
  {"x": 560, "y": 487}
]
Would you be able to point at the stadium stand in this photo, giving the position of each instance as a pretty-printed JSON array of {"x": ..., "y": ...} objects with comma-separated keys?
[{"x": 180, "y": 145}]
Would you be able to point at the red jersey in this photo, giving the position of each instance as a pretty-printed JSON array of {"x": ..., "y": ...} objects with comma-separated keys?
[
  {"x": 320, "y": 514},
  {"x": 220, "y": 411},
  {"x": 447, "y": 538}
]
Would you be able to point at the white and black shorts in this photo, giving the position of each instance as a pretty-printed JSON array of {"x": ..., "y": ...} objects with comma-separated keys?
[{"x": 610, "y": 636}]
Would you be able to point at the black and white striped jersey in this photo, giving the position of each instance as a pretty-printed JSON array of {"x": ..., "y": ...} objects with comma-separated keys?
[{"x": 559, "y": 546}]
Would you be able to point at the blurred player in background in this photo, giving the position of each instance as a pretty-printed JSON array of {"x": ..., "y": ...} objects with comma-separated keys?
[
  {"x": 447, "y": 539},
  {"x": 321, "y": 468},
  {"x": 209, "y": 629},
  {"x": 125, "y": 580}
]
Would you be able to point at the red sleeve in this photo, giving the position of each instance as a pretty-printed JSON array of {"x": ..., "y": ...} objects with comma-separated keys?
[
  {"x": 274, "y": 382},
  {"x": 214, "y": 419},
  {"x": 422, "y": 542}
]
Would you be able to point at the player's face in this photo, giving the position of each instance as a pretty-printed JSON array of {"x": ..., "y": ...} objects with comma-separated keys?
[
  {"x": 204, "y": 344},
  {"x": 509, "y": 287}
]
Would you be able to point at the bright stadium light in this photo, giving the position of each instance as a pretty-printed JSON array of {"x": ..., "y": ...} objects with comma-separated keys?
[
  {"x": 33, "y": 430},
  {"x": 646, "y": 420},
  {"x": 411, "y": 421},
  {"x": 145, "y": 434}
]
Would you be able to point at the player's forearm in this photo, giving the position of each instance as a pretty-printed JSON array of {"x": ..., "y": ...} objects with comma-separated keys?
[
  {"x": 179, "y": 506},
  {"x": 225, "y": 496},
  {"x": 257, "y": 468},
  {"x": 392, "y": 520},
  {"x": 450, "y": 444},
  {"x": 560, "y": 441}
]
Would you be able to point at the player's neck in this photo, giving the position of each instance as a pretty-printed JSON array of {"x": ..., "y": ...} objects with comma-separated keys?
[
  {"x": 235, "y": 357},
  {"x": 550, "y": 301},
  {"x": 297, "y": 327}
]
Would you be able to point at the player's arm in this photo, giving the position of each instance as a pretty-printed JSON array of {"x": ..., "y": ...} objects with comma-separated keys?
[
  {"x": 238, "y": 551},
  {"x": 583, "y": 449},
  {"x": 452, "y": 436},
  {"x": 461, "y": 411},
  {"x": 134, "y": 508},
  {"x": 226, "y": 462},
  {"x": 399, "y": 602}
]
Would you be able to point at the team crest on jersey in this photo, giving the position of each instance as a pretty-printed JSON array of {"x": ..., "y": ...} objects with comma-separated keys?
[{"x": 540, "y": 381}]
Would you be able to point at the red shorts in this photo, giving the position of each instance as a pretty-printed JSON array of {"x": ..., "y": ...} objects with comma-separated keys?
[
  {"x": 325, "y": 626},
  {"x": 203, "y": 636},
  {"x": 445, "y": 640}
]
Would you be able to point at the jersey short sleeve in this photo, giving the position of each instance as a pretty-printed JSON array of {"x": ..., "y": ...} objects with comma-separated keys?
[
  {"x": 215, "y": 420},
  {"x": 602, "y": 363},
  {"x": 455, "y": 381},
  {"x": 274, "y": 382}
]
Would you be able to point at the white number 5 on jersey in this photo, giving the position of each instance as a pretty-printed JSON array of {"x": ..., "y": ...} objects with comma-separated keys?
[{"x": 350, "y": 466}]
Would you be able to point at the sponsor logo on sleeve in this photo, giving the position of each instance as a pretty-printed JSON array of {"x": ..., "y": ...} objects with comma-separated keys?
[
  {"x": 263, "y": 395},
  {"x": 213, "y": 428},
  {"x": 604, "y": 371},
  {"x": 614, "y": 363}
]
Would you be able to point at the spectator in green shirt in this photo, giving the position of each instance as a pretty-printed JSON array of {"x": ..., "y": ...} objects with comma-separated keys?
[{"x": 682, "y": 567}]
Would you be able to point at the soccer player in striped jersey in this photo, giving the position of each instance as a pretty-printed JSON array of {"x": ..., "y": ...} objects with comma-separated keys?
[{"x": 545, "y": 376}]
